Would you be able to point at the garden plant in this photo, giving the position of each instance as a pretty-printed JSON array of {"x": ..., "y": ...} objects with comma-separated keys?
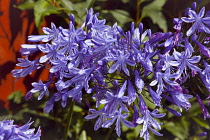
[{"x": 127, "y": 79}]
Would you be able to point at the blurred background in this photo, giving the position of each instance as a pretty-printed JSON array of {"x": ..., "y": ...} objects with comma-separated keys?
[{"x": 21, "y": 18}]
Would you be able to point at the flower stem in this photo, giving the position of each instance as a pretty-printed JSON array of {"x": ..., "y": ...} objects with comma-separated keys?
[
  {"x": 109, "y": 132},
  {"x": 138, "y": 3},
  {"x": 68, "y": 121}
]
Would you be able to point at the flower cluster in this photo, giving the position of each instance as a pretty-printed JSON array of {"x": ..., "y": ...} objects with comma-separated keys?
[
  {"x": 10, "y": 131},
  {"x": 121, "y": 70}
]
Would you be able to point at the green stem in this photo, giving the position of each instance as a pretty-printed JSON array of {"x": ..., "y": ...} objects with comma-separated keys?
[
  {"x": 109, "y": 132},
  {"x": 138, "y": 3},
  {"x": 68, "y": 120}
]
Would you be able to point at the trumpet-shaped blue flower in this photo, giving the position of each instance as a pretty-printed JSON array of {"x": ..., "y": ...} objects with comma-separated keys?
[
  {"x": 28, "y": 49},
  {"x": 198, "y": 22},
  {"x": 29, "y": 67},
  {"x": 121, "y": 62},
  {"x": 178, "y": 98},
  {"x": 101, "y": 119},
  {"x": 11, "y": 131},
  {"x": 160, "y": 78},
  {"x": 148, "y": 121},
  {"x": 51, "y": 53},
  {"x": 40, "y": 87},
  {"x": 51, "y": 34},
  {"x": 185, "y": 60},
  {"x": 113, "y": 100},
  {"x": 119, "y": 118}
]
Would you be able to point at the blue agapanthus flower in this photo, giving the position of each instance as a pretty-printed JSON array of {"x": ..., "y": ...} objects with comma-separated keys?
[
  {"x": 148, "y": 121},
  {"x": 11, "y": 131},
  {"x": 198, "y": 21}
]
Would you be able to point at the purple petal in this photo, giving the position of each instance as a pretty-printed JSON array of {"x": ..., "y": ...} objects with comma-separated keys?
[
  {"x": 36, "y": 38},
  {"x": 155, "y": 132},
  {"x": 206, "y": 20},
  {"x": 188, "y": 20},
  {"x": 193, "y": 67},
  {"x": 138, "y": 81},
  {"x": 156, "y": 98},
  {"x": 192, "y": 29},
  {"x": 124, "y": 68},
  {"x": 118, "y": 129},
  {"x": 173, "y": 111},
  {"x": 108, "y": 123},
  {"x": 114, "y": 67},
  {"x": 201, "y": 13},
  {"x": 127, "y": 123},
  {"x": 131, "y": 93},
  {"x": 204, "y": 28},
  {"x": 92, "y": 116}
]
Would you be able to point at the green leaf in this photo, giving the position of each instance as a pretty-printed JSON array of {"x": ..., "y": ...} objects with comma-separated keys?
[
  {"x": 68, "y": 4},
  {"x": 41, "y": 9},
  {"x": 25, "y": 4},
  {"x": 179, "y": 128},
  {"x": 83, "y": 135},
  {"x": 134, "y": 133},
  {"x": 153, "y": 11},
  {"x": 89, "y": 3},
  {"x": 201, "y": 122},
  {"x": 119, "y": 16},
  {"x": 77, "y": 108},
  {"x": 204, "y": 3},
  {"x": 80, "y": 8},
  {"x": 16, "y": 97}
]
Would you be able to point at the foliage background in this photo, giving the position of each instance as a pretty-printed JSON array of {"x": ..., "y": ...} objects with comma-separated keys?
[{"x": 154, "y": 14}]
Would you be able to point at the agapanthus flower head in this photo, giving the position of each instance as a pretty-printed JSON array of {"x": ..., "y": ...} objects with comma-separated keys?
[
  {"x": 11, "y": 131},
  {"x": 118, "y": 68}
]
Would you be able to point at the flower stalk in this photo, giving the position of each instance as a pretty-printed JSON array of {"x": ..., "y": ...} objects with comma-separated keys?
[{"x": 69, "y": 118}]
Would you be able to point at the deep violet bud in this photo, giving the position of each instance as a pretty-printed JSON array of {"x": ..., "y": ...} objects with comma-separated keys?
[
  {"x": 140, "y": 28},
  {"x": 202, "y": 134},
  {"x": 176, "y": 113},
  {"x": 194, "y": 37},
  {"x": 72, "y": 19},
  {"x": 204, "y": 50},
  {"x": 194, "y": 5},
  {"x": 187, "y": 11},
  {"x": 135, "y": 115},
  {"x": 132, "y": 28},
  {"x": 204, "y": 110}
]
